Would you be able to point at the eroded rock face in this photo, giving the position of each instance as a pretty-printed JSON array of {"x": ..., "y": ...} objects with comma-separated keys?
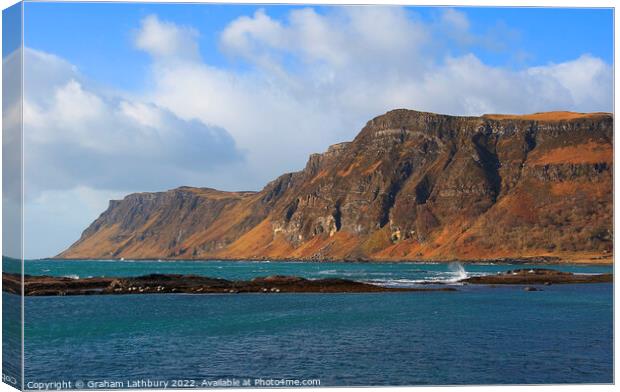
[{"x": 410, "y": 186}]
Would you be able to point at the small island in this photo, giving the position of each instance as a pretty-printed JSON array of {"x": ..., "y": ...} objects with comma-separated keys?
[
  {"x": 193, "y": 284},
  {"x": 189, "y": 284},
  {"x": 538, "y": 276}
]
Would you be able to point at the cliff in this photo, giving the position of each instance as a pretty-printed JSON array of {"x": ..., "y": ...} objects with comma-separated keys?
[{"x": 410, "y": 186}]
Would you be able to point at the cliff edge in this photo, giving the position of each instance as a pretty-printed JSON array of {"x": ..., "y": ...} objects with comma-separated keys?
[{"x": 411, "y": 186}]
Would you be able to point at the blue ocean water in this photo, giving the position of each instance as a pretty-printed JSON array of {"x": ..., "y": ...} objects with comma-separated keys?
[
  {"x": 477, "y": 335},
  {"x": 11, "y": 339},
  {"x": 392, "y": 274}
]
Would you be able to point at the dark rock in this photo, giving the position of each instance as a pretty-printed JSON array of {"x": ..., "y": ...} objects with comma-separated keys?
[
  {"x": 159, "y": 283},
  {"x": 538, "y": 276},
  {"x": 279, "y": 279}
]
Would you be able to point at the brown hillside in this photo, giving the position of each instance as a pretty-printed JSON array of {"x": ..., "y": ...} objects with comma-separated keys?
[{"x": 410, "y": 186}]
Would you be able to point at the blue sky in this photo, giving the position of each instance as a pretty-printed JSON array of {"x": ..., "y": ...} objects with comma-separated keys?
[
  {"x": 11, "y": 29},
  {"x": 123, "y": 98},
  {"x": 91, "y": 35}
]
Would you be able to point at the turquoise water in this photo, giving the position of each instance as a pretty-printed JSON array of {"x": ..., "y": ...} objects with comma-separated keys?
[
  {"x": 391, "y": 274},
  {"x": 477, "y": 335}
]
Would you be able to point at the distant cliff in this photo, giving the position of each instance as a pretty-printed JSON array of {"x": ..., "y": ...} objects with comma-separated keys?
[{"x": 410, "y": 186}]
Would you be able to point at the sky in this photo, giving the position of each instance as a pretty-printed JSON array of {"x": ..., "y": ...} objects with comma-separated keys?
[{"x": 122, "y": 98}]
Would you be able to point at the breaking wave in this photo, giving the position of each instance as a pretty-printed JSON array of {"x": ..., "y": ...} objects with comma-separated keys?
[{"x": 458, "y": 270}]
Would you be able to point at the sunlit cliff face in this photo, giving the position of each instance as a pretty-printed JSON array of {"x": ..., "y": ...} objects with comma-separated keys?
[{"x": 411, "y": 186}]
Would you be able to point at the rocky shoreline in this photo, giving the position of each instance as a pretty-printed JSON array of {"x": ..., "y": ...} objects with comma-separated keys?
[
  {"x": 533, "y": 260},
  {"x": 193, "y": 284},
  {"x": 538, "y": 276},
  {"x": 190, "y": 284}
]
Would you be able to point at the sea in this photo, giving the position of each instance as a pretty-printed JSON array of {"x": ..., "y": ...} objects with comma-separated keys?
[{"x": 474, "y": 335}]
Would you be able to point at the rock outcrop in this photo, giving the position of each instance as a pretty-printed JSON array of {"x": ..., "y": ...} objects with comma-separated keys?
[
  {"x": 410, "y": 186},
  {"x": 193, "y": 284},
  {"x": 188, "y": 284},
  {"x": 539, "y": 276}
]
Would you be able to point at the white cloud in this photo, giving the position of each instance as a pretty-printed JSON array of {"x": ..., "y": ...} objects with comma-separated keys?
[
  {"x": 144, "y": 114},
  {"x": 338, "y": 39},
  {"x": 83, "y": 147},
  {"x": 11, "y": 154},
  {"x": 588, "y": 80},
  {"x": 166, "y": 40},
  {"x": 316, "y": 78},
  {"x": 11, "y": 120},
  {"x": 455, "y": 20},
  {"x": 242, "y": 34},
  {"x": 83, "y": 137}
]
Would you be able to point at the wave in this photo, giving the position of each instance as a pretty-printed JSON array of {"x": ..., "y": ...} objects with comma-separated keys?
[
  {"x": 448, "y": 278},
  {"x": 458, "y": 269},
  {"x": 410, "y": 282},
  {"x": 353, "y": 274},
  {"x": 327, "y": 272}
]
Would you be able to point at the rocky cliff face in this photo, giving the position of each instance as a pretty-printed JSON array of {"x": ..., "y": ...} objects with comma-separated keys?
[{"x": 411, "y": 186}]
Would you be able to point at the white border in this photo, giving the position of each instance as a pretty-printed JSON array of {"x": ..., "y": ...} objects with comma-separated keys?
[{"x": 483, "y": 3}]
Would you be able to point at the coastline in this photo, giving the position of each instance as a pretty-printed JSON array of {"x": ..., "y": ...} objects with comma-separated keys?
[
  {"x": 189, "y": 284},
  {"x": 533, "y": 260},
  {"x": 45, "y": 285}
]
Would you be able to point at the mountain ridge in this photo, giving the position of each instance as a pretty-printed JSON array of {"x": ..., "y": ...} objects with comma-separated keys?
[{"x": 410, "y": 186}]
